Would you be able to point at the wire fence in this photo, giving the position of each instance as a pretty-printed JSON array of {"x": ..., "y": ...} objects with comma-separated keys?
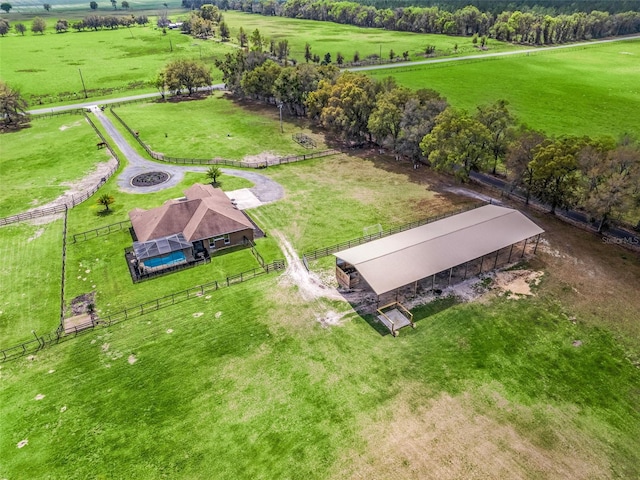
[
  {"x": 100, "y": 231},
  {"x": 74, "y": 199},
  {"x": 41, "y": 341},
  {"x": 44, "y": 115},
  {"x": 326, "y": 251},
  {"x": 64, "y": 264},
  {"x": 221, "y": 161}
]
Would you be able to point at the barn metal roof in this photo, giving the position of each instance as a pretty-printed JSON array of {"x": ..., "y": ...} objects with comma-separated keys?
[{"x": 403, "y": 258}]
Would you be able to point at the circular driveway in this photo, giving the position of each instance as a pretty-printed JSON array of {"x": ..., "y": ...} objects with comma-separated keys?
[{"x": 264, "y": 188}]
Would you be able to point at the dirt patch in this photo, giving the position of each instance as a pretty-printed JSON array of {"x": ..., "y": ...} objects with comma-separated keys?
[
  {"x": 35, "y": 235},
  {"x": 80, "y": 304},
  {"x": 76, "y": 188},
  {"x": 517, "y": 283},
  {"x": 132, "y": 359},
  {"x": 66, "y": 127},
  {"x": 449, "y": 438},
  {"x": 261, "y": 158}
]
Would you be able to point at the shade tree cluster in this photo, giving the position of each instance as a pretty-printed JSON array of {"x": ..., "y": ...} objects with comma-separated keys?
[
  {"x": 183, "y": 75},
  {"x": 13, "y": 109},
  {"x": 598, "y": 175}
]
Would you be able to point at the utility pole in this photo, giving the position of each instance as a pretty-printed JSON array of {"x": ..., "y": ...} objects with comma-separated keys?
[
  {"x": 280, "y": 108},
  {"x": 83, "y": 86}
]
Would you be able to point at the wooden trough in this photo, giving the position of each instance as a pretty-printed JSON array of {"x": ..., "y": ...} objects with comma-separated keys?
[{"x": 395, "y": 316}]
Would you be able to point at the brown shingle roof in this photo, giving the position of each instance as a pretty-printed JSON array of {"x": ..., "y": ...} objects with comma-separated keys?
[{"x": 205, "y": 213}]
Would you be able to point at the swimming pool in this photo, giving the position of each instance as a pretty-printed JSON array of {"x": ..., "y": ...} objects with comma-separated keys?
[{"x": 166, "y": 261}]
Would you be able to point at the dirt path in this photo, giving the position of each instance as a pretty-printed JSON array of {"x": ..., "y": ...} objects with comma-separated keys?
[{"x": 308, "y": 283}]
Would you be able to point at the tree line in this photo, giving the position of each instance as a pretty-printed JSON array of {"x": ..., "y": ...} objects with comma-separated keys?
[
  {"x": 526, "y": 27},
  {"x": 90, "y": 22},
  {"x": 551, "y": 7},
  {"x": 598, "y": 175}
]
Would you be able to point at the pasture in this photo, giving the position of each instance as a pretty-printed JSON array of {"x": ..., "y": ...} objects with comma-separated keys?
[
  {"x": 252, "y": 371},
  {"x": 47, "y": 67},
  {"x": 40, "y": 163},
  {"x": 328, "y": 37},
  {"x": 30, "y": 277},
  {"x": 215, "y": 127},
  {"x": 249, "y": 384},
  {"x": 590, "y": 90}
]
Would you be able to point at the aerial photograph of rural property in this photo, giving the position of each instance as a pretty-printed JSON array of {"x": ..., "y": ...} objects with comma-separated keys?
[{"x": 319, "y": 239}]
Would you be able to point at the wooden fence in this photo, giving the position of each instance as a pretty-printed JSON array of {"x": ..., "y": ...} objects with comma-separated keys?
[
  {"x": 42, "y": 116},
  {"x": 41, "y": 341},
  {"x": 221, "y": 161},
  {"x": 326, "y": 251},
  {"x": 100, "y": 231}
]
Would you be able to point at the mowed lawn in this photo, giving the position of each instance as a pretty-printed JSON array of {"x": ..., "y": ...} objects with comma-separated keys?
[
  {"x": 247, "y": 384},
  {"x": 121, "y": 60},
  {"x": 30, "y": 278},
  {"x": 328, "y": 37},
  {"x": 40, "y": 163},
  {"x": 214, "y": 127},
  {"x": 584, "y": 91}
]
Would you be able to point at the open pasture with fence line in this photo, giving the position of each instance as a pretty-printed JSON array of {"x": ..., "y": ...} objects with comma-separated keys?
[
  {"x": 40, "y": 163},
  {"x": 587, "y": 90},
  {"x": 216, "y": 127},
  {"x": 30, "y": 277}
]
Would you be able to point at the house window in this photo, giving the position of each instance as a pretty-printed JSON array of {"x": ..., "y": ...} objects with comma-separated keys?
[{"x": 225, "y": 237}]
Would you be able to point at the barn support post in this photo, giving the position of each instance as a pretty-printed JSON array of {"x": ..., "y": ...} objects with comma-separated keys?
[
  {"x": 481, "y": 264},
  {"x": 415, "y": 288},
  {"x": 433, "y": 282},
  {"x": 466, "y": 265},
  {"x": 510, "y": 250},
  {"x": 495, "y": 264},
  {"x": 535, "y": 249},
  {"x": 524, "y": 249},
  {"x": 450, "y": 273}
]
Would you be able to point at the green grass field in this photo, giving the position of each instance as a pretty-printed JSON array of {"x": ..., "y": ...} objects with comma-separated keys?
[
  {"x": 327, "y": 37},
  {"x": 214, "y": 127},
  {"x": 40, "y": 163},
  {"x": 584, "y": 91},
  {"x": 121, "y": 60},
  {"x": 255, "y": 377},
  {"x": 30, "y": 277}
]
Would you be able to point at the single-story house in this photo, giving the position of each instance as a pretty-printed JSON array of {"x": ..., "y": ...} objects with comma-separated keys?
[{"x": 187, "y": 229}]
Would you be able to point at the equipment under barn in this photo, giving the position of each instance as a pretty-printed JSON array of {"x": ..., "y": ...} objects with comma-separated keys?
[{"x": 438, "y": 254}]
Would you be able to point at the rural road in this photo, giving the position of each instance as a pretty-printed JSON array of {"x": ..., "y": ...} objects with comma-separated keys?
[
  {"x": 221, "y": 86},
  {"x": 491, "y": 55}
]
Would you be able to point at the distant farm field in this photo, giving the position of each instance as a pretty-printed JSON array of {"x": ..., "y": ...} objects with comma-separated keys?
[
  {"x": 40, "y": 163},
  {"x": 592, "y": 90},
  {"x": 328, "y": 37},
  {"x": 109, "y": 61}
]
